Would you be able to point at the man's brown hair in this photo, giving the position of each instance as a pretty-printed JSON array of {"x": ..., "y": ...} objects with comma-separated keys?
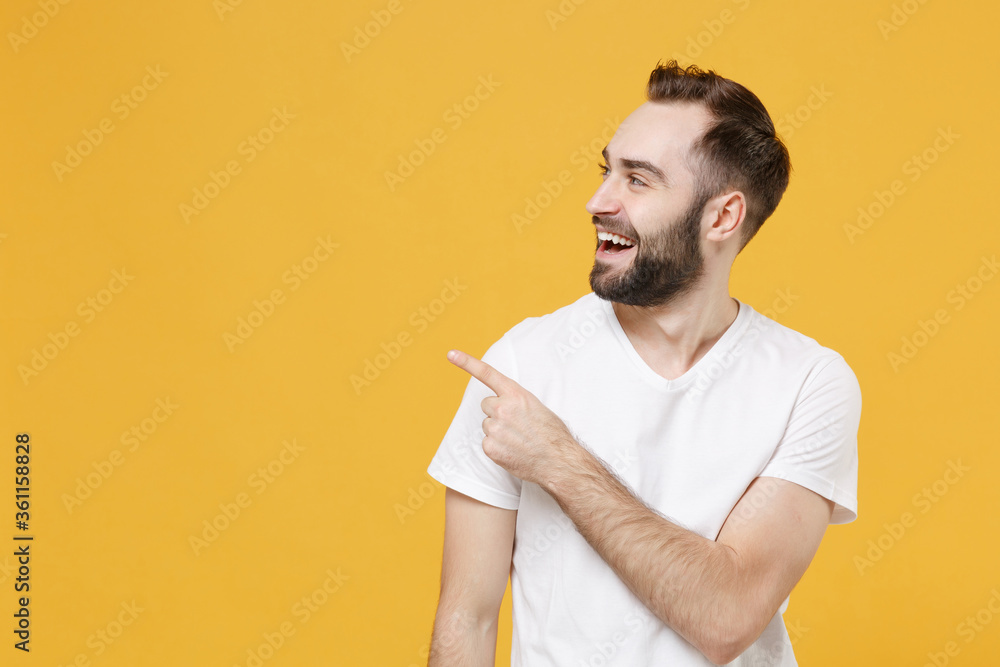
[{"x": 740, "y": 149}]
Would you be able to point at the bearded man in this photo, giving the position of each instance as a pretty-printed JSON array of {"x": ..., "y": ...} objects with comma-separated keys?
[{"x": 654, "y": 465}]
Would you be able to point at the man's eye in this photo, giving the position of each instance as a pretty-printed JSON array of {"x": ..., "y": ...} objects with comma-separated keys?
[{"x": 603, "y": 168}]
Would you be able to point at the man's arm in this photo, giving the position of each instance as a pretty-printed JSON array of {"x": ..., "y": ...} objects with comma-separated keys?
[
  {"x": 478, "y": 545},
  {"x": 719, "y": 595}
]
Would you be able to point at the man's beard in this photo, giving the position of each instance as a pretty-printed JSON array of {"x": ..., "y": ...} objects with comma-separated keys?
[{"x": 666, "y": 265}]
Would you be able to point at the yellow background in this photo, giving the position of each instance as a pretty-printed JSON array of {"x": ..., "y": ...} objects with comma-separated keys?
[{"x": 336, "y": 506}]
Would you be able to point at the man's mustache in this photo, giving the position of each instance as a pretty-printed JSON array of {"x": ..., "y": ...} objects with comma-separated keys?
[{"x": 615, "y": 226}]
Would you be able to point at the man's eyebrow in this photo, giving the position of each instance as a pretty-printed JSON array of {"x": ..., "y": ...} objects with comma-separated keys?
[{"x": 643, "y": 165}]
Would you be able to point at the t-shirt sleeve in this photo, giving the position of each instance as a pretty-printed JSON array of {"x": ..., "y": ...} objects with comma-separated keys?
[
  {"x": 819, "y": 449},
  {"x": 460, "y": 462}
]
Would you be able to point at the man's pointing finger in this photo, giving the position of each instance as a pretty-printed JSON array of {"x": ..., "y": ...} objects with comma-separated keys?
[{"x": 482, "y": 371}]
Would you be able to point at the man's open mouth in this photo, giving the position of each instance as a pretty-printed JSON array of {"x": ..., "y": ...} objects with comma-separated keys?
[{"x": 612, "y": 244}]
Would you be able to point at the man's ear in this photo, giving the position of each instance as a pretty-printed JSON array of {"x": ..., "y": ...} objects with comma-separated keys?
[{"x": 726, "y": 214}]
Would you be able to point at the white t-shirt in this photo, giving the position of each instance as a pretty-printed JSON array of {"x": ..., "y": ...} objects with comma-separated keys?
[{"x": 764, "y": 401}]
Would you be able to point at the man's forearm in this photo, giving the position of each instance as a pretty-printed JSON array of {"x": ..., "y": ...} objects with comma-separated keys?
[
  {"x": 691, "y": 583},
  {"x": 458, "y": 640}
]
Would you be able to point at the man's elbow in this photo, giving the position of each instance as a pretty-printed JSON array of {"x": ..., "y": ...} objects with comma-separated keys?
[
  {"x": 464, "y": 636},
  {"x": 725, "y": 651},
  {"x": 725, "y": 643},
  {"x": 737, "y": 620},
  {"x": 457, "y": 621}
]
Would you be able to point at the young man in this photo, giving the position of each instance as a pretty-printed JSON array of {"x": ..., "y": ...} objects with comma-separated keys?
[{"x": 655, "y": 464}]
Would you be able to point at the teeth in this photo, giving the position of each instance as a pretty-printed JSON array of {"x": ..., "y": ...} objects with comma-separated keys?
[{"x": 614, "y": 238}]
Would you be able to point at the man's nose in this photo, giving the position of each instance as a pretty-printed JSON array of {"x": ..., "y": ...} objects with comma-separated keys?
[{"x": 604, "y": 202}]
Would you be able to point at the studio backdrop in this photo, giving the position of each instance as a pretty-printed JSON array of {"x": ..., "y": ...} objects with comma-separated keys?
[{"x": 237, "y": 239}]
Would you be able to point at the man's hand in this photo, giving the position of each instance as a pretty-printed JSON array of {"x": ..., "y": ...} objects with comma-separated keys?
[{"x": 522, "y": 435}]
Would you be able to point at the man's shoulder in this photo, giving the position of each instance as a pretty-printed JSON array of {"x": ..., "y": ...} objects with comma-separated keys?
[
  {"x": 790, "y": 347},
  {"x": 588, "y": 308}
]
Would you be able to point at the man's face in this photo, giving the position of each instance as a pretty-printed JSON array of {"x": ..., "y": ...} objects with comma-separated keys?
[{"x": 650, "y": 195}]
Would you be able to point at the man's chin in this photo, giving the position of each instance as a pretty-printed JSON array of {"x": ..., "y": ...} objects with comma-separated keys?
[{"x": 606, "y": 285}]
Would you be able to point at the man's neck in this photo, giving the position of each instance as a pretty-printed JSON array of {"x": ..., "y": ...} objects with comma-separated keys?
[{"x": 672, "y": 338}]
